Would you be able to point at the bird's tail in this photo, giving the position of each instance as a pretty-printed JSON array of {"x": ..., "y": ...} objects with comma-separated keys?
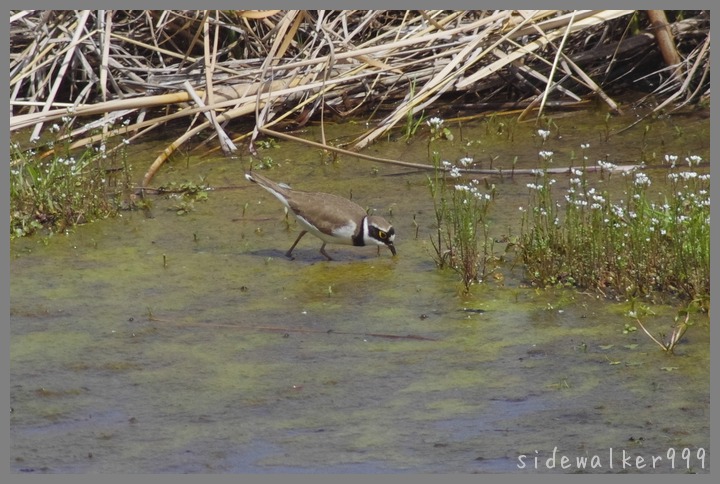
[{"x": 280, "y": 190}]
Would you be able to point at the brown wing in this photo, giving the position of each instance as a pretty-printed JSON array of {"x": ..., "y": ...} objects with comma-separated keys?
[{"x": 324, "y": 210}]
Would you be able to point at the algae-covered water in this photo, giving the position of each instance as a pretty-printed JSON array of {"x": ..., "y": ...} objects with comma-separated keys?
[{"x": 163, "y": 343}]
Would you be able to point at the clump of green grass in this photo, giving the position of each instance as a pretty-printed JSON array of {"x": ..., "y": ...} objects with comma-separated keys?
[
  {"x": 461, "y": 241},
  {"x": 65, "y": 188},
  {"x": 637, "y": 244}
]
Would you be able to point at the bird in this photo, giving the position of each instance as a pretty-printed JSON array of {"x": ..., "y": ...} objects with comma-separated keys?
[{"x": 331, "y": 218}]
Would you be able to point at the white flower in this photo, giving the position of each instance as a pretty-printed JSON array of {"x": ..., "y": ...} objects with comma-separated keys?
[
  {"x": 435, "y": 122},
  {"x": 543, "y": 133},
  {"x": 641, "y": 179},
  {"x": 687, "y": 175},
  {"x": 693, "y": 159},
  {"x": 545, "y": 154},
  {"x": 465, "y": 161},
  {"x": 606, "y": 165}
]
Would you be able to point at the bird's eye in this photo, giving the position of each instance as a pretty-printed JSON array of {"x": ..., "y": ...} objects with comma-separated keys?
[{"x": 382, "y": 234}]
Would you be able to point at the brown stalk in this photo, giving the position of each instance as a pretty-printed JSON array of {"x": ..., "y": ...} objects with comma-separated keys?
[{"x": 351, "y": 61}]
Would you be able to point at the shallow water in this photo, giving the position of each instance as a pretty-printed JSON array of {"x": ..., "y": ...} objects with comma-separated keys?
[{"x": 190, "y": 344}]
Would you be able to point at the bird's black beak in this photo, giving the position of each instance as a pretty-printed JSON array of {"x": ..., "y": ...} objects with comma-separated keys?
[{"x": 391, "y": 246}]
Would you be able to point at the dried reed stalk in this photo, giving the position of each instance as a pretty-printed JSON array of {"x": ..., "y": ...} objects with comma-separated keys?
[{"x": 212, "y": 67}]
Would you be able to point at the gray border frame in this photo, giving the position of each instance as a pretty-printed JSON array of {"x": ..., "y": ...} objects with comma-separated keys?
[{"x": 8, "y": 477}]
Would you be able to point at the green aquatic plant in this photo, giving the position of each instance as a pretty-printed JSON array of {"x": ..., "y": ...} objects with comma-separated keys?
[
  {"x": 633, "y": 244},
  {"x": 185, "y": 195},
  {"x": 682, "y": 323},
  {"x": 65, "y": 187},
  {"x": 411, "y": 123},
  {"x": 266, "y": 144},
  {"x": 438, "y": 131},
  {"x": 461, "y": 240}
]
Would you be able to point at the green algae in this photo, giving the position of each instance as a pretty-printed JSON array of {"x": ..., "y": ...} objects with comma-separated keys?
[{"x": 191, "y": 344}]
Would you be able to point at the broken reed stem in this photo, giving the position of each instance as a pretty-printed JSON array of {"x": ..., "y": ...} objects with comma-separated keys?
[{"x": 422, "y": 166}]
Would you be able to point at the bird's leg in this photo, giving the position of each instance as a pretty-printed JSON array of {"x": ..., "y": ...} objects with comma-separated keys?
[
  {"x": 288, "y": 254},
  {"x": 322, "y": 251}
]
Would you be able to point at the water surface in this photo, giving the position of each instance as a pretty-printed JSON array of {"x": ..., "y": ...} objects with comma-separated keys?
[{"x": 157, "y": 342}]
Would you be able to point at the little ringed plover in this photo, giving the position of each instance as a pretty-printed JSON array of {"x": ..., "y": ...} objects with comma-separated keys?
[{"x": 333, "y": 219}]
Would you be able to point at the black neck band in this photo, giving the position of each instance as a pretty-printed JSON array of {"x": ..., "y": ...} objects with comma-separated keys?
[{"x": 359, "y": 238}]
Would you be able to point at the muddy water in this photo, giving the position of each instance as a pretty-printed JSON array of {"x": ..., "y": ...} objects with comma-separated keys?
[{"x": 170, "y": 343}]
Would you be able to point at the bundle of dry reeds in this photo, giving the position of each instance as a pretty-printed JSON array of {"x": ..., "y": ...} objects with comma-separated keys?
[{"x": 272, "y": 67}]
